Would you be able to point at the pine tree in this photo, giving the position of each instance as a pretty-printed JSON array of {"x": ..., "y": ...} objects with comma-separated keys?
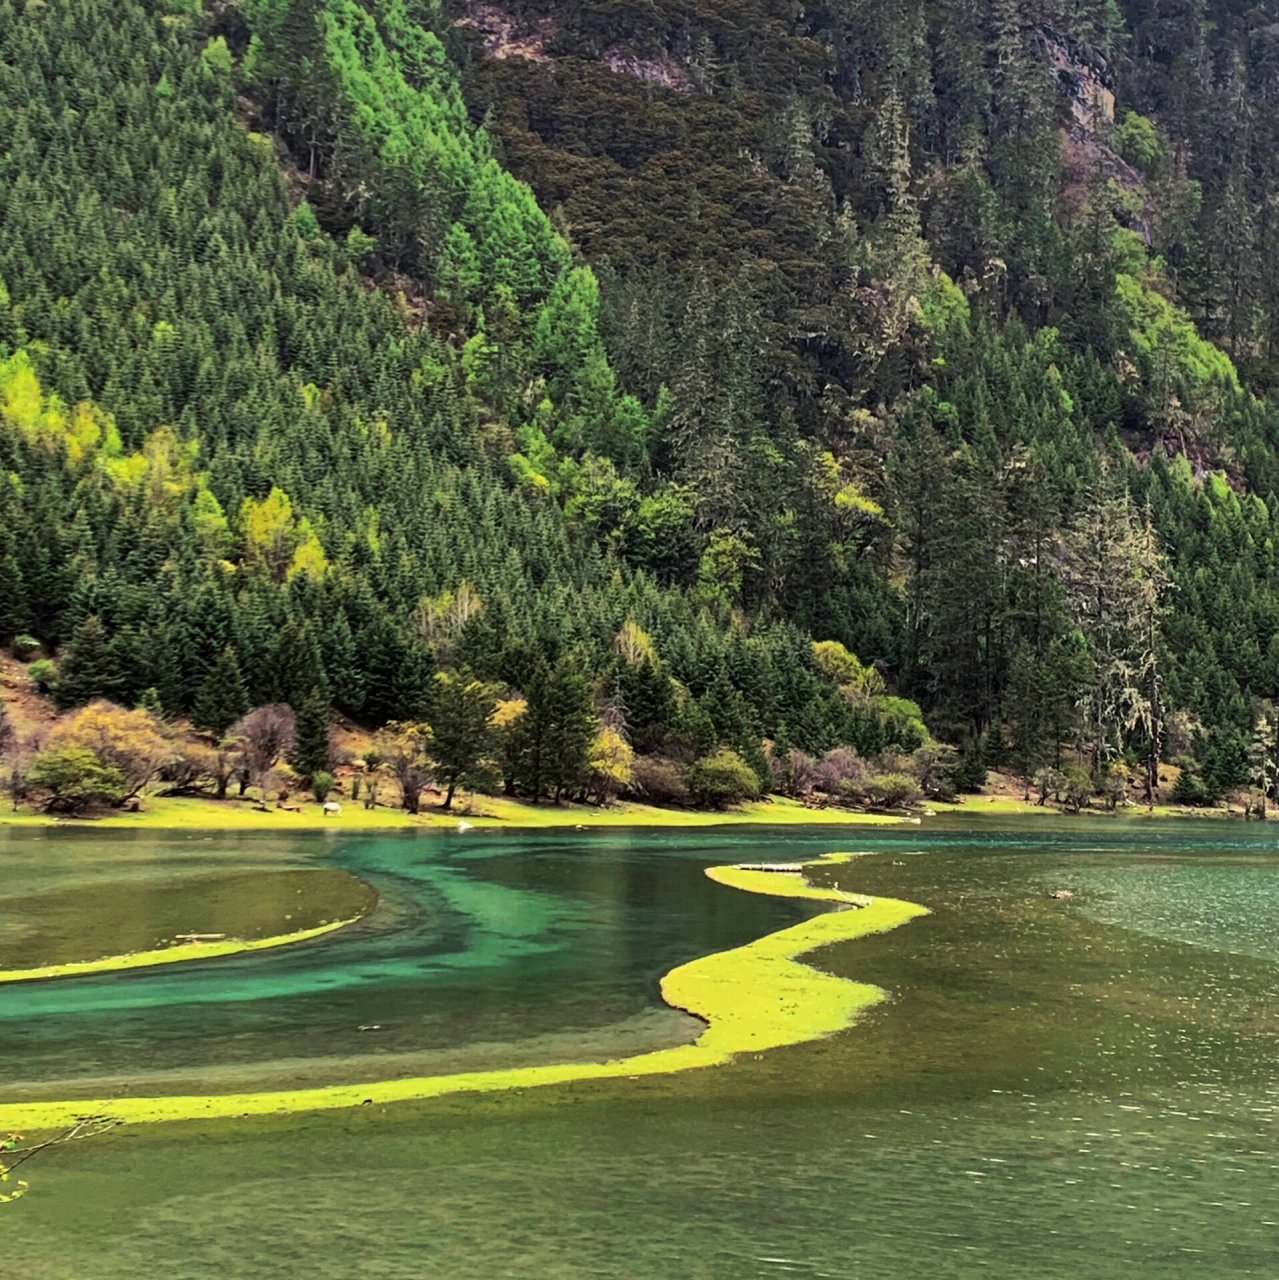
[
  {"x": 15, "y": 616},
  {"x": 297, "y": 665},
  {"x": 570, "y": 711},
  {"x": 461, "y": 730},
  {"x": 413, "y": 684},
  {"x": 88, "y": 669},
  {"x": 222, "y": 698},
  {"x": 313, "y": 748}
]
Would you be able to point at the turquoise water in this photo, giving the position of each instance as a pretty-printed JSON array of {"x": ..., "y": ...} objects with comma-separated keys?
[{"x": 1086, "y": 1088}]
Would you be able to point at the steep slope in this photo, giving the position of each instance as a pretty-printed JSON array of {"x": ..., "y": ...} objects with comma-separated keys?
[
  {"x": 828, "y": 165},
  {"x": 889, "y": 325},
  {"x": 347, "y": 457}
]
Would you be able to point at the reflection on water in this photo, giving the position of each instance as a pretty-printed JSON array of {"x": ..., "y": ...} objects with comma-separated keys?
[{"x": 1056, "y": 1089}]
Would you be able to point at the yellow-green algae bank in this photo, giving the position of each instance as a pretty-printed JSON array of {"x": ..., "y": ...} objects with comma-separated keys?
[
  {"x": 753, "y": 998},
  {"x": 112, "y": 914},
  {"x": 178, "y": 953}
]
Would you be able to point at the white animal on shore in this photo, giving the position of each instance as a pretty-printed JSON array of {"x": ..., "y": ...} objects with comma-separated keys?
[{"x": 332, "y": 808}]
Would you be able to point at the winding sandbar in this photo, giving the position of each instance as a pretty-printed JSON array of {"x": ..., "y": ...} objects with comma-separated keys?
[{"x": 753, "y": 998}]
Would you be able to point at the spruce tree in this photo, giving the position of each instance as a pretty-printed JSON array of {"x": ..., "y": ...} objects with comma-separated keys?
[
  {"x": 569, "y": 710},
  {"x": 313, "y": 749},
  {"x": 461, "y": 729},
  {"x": 413, "y": 684},
  {"x": 222, "y": 699},
  {"x": 15, "y": 616},
  {"x": 88, "y": 669},
  {"x": 150, "y": 703}
]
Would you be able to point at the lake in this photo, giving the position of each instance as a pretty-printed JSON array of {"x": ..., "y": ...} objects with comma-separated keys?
[{"x": 1086, "y": 1088}]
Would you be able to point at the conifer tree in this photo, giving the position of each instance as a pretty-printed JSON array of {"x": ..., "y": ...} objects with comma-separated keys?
[
  {"x": 15, "y": 616},
  {"x": 569, "y": 709},
  {"x": 88, "y": 669},
  {"x": 462, "y": 712},
  {"x": 313, "y": 749},
  {"x": 222, "y": 699}
]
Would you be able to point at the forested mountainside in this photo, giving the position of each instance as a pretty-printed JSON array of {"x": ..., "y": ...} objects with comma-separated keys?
[{"x": 740, "y": 376}]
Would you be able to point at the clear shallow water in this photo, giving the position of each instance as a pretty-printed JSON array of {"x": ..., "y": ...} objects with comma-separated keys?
[{"x": 1080, "y": 1089}]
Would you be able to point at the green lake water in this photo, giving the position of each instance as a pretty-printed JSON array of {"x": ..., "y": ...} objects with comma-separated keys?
[{"x": 1077, "y": 1089}]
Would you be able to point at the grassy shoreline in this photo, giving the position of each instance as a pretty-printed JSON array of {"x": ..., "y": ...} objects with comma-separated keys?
[
  {"x": 497, "y": 813},
  {"x": 484, "y": 812},
  {"x": 1004, "y": 806}
]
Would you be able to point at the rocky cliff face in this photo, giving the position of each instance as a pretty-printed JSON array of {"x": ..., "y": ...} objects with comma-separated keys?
[
  {"x": 1085, "y": 81},
  {"x": 503, "y": 36},
  {"x": 1088, "y": 87}
]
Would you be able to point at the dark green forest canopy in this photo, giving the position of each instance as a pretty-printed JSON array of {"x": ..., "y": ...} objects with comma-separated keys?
[{"x": 855, "y": 326}]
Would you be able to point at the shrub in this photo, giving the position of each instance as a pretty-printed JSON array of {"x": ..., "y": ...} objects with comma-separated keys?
[
  {"x": 659, "y": 781},
  {"x": 855, "y": 791},
  {"x": 74, "y": 779},
  {"x": 904, "y": 722},
  {"x": 25, "y": 647},
  {"x": 800, "y": 770},
  {"x": 846, "y": 669},
  {"x": 1138, "y": 140},
  {"x": 1115, "y": 782},
  {"x": 194, "y": 765},
  {"x": 840, "y": 772},
  {"x": 321, "y": 785},
  {"x": 44, "y": 674},
  {"x": 934, "y": 765},
  {"x": 1049, "y": 783},
  {"x": 1077, "y": 788},
  {"x": 611, "y": 764},
  {"x": 721, "y": 778},
  {"x": 130, "y": 743},
  {"x": 893, "y": 790}
]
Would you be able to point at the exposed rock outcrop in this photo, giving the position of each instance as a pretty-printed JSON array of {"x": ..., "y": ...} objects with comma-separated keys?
[
  {"x": 504, "y": 36},
  {"x": 1085, "y": 81},
  {"x": 1088, "y": 87}
]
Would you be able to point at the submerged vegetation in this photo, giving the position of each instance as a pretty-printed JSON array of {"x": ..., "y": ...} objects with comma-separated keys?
[{"x": 753, "y": 998}]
